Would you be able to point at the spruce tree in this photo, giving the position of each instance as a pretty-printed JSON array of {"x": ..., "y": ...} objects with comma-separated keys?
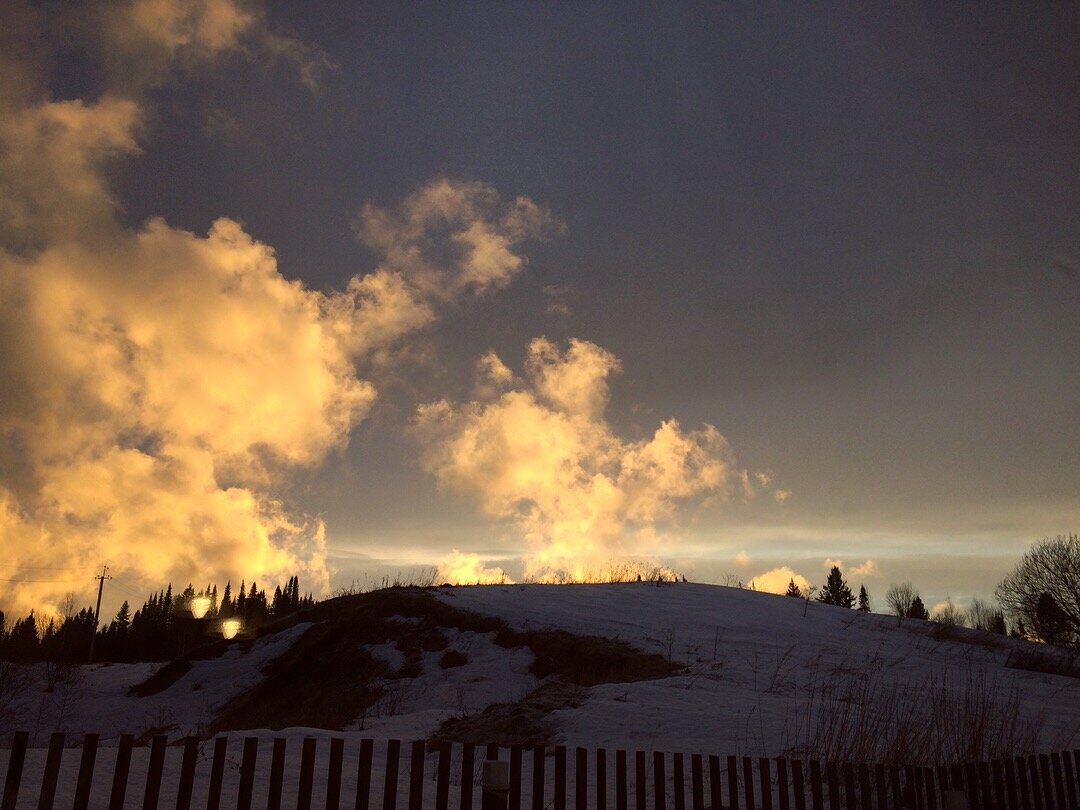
[
  {"x": 918, "y": 609},
  {"x": 793, "y": 589},
  {"x": 836, "y": 591},
  {"x": 864, "y": 599}
]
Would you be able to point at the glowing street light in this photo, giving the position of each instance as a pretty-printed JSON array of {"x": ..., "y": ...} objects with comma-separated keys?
[
  {"x": 200, "y": 605},
  {"x": 230, "y": 627}
]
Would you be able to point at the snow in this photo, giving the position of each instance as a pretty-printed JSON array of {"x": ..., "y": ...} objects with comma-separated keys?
[{"x": 753, "y": 675}]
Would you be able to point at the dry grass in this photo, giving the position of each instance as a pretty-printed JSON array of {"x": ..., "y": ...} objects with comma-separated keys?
[
  {"x": 527, "y": 722},
  {"x": 328, "y": 679},
  {"x": 952, "y": 716}
]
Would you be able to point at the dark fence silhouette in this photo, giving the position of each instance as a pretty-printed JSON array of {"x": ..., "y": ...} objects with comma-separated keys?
[{"x": 421, "y": 776}]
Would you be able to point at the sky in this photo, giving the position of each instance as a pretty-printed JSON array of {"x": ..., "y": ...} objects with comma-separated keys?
[{"x": 540, "y": 291}]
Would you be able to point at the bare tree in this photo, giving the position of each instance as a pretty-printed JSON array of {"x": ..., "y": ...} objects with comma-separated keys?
[
  {"x": 899, "y": 598},
  {"x": 1043, "y": 591},
  {"x": 949, "y": 614}
]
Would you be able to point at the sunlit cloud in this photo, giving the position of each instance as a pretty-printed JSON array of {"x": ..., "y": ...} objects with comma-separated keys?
[
  {"x": 468, "y": 569},
  {"x": 777, "y": 580},
  {"x": 162, "y": 387},
  {"x": 742, "y": 558},
  {"x": 539, "y": 454}
]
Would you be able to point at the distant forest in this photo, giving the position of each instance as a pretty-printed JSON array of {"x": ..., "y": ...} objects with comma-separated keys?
[{"x": 165, "y": 627}]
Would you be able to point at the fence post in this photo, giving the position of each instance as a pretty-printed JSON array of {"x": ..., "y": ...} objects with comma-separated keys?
[
  {"x": 538, "y": 778},
  {"x": 442, "y": 779},
  {"x": 416, "y": 775},
  {"x": 187, "y": 774},
  {"x": 468, "y": 752},
  {"x": 697, "y": 783},
  {"x": 86, "y": 772},
  {"x": 581, "y": 779},
  {"x": 153, "y": 773},
  {"x": 782, "y": 784},
  {"x": 515, "y": 778},
  {"x": 393, "y": 752},
  {"x": 247, "y": 773},
  {"x": 659, "y": 783},
  {"x": 363, "y": 774},
  {"x": 333, "y": 776},
  {"x": 620, "y": 780},
  {"x": 601, "y": 779},
  {"x": 560, "y": 777},
  {"x": 714, "y": 780},
  {"x": 732, "y": 783},
  {"x": 277, "y": 775},
  {"x": 678, "y": 781},
  {"x": 52, "y": 771},
  {"x": 307, "y": 774},
  {"x": 16, "y": 760},
  {"x": 217, "y": 775}
]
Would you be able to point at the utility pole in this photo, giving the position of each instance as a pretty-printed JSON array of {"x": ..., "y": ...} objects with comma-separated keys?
[{"x": 97, "y": 610}]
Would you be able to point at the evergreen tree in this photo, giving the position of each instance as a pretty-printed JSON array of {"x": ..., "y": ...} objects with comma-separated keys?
[
  {"x": 864, "y": 599},
  {"x": 793, "y": 589},
  {"x": 836, "y": 590},
  {"x": 918, "y": 609}
]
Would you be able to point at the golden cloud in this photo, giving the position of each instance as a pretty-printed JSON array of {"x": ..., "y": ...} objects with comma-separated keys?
[{"x": 539, "y": 454}]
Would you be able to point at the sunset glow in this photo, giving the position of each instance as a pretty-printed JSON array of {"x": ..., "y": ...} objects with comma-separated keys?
[{"x": 292, "y": 294}]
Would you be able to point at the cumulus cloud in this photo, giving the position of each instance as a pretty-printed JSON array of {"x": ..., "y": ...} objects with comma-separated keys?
[
  {"x": 538, "y": 453},
  {"x": 161, "y": 386},
  {"x": 867, "y": 569},
  {"x": 468, "y": 569},
  {"x": 777, "y": 580}
]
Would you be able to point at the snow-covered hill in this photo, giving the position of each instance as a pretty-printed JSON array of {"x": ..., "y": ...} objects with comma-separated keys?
[{"x": 752, "y": 674}]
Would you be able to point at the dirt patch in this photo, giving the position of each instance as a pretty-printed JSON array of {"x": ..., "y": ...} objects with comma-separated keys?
[
  {"x": 162, "y": 679},
  {"x": 328, "y": 678},
  {"x": 527, "y": 722}
]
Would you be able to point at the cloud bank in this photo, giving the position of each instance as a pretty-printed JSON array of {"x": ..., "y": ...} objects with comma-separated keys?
[
  {"x": 538, "y": 453},
  {"x": 161, "y": 386}
]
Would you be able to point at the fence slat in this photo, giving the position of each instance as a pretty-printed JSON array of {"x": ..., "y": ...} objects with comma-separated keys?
[
  {"x": 910, "y": 791},
  {"x": 732, "y": 783},
  {"x": 187, "y": 773},
  {"x": 714, "y": 780},
  {"x": 52, "y": 770},
  {"x": 620, "y": 780},
  {"x": 86, "y": 772},
  {"x": 930, "y": 781},
  {"x": 154, "y": 771},
  {"x": 277, "y": 774},
  {"x": 120, "y": 773},
  {"x": 468, "y": 753},
  {"x": 1046, "y": 779},
  {"x": 16, "y": 761},
  {"x": 799, "y": 783},
  {"x": 333, "y": 774},
  {"x": 581, "y": 779},
  {"x": 217, "y": 774},
  {"x": 442, "y": 777},
  {"x": 832, "y": 778},
  {"x": 919, "y": 776},
  {"x": 851, "y": 799},
  {"x": 1022, "y": 782},
  {"x": 247, "y": 773},
  {"x": 815, "y": 785},
  {"x": 416, "y": 775},
  {"x": 640, "y": 777},
  {"x": 560, "y": 777},
  {"x": 678, "y": 780},
  {"x": 1070, "y": 780},
  {"x": 1010, "y": 784},
  {"x": 765, "y": 780},
  {"x": 748, "y": 782},
  {"x": 393, "y": 753},
  {"x": 363, "y": 775},
  {"x": 782, "y": 784},
  {"x": 659, "y": 782},
  {"x": 997, "y": 775},
  {"x": 1059, "y": 784},
  {"x": 515, "y": 778},
  {"x": 601, "y": 779},
  {"x": 697, "y": 783},
  {"x": 894, "y": 786},
  {"x": 865, "y": 789},
  {"x": 881, "y": 787},
  {"x": 538, "y": 778},
  {"x": 307, "y": 774},
  {"x": 1032, "y": 768}
]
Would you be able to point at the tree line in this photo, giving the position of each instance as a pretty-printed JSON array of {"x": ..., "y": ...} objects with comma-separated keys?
[
  {"x": 166, "y": 626},
  {"x": 1041, "y": 596}
]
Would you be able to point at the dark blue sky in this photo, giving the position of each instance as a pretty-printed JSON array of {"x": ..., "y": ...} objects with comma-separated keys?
[{"x": 848, "y": 236}]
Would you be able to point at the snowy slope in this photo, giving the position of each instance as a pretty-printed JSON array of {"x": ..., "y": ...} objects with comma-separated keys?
[{"x": 759, "y": 672}]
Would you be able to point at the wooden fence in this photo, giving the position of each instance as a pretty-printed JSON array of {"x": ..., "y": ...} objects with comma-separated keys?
[{"x": 578, "y": 778}]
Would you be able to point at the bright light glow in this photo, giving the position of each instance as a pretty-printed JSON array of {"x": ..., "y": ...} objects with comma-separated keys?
[
  {"x": 199, "y": 606},
  {"x": 230, "y": 627}
]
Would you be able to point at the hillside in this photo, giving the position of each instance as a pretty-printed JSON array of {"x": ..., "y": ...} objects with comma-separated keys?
[{"x": 676, "y": 667}]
